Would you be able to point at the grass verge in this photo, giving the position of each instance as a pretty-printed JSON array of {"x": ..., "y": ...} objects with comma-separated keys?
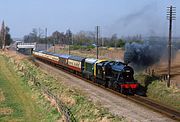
[
  {"x": 158, "y": 90},
  {"x": 82, "y": 108},
  {"x": 21, "y": 102}
]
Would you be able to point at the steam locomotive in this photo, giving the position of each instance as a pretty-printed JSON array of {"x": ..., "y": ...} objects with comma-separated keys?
[{"x": 113, "y": 74}]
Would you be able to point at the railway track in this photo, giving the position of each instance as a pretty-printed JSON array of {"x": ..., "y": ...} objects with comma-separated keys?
[
  {"x": 159, "y": 107},
  {"x": 170, "y": 112}
]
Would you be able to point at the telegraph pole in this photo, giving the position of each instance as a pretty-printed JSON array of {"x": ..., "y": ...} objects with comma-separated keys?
[
  {"x": 170, "y": 16},
  {"x": 54, "y": 45},
  {"x": 69, "y": 42},
  {"x": 46, "y": 38},
  {"x": 72, "y": 39},
  {"x": 3, "y": 35},
  {"x": 97, "y": 41},
  {"x": 69, "y": 52}
]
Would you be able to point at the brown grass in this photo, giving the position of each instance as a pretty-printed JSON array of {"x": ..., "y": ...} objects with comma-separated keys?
[
  {"x": 14, "y": 55},
  {"x": 2, "y": 98},
  {"x": 67, "y": 100},
  {"x": 104, "y": 53},
  {"x": 175, "y": 69},
  {"x": 62, "y": 119},
  {"x": 5, "y": 111}
]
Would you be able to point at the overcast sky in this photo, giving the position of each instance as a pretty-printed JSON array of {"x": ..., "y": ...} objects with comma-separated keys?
[{"x": 124, "y": 17}]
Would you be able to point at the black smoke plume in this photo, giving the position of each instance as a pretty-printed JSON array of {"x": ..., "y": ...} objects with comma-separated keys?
[{"x": 142, "y": 55}]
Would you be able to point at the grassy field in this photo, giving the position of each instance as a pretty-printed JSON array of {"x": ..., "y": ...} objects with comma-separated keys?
[
  {"x": 158, "y": 90},
  {"x": 17, "y": 101},
  {"x": 76, "y": 100}
]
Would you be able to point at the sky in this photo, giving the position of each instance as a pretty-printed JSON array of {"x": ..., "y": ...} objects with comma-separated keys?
[{"x": 123, "y": 17}]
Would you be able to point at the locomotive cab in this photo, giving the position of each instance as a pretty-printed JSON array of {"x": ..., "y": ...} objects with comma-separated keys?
[
  {"x": 88, "y": 71},
  {"x": 103, "y": 72}
]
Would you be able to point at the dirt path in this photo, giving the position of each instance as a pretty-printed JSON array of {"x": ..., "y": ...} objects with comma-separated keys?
[
  {"x": 13, "y": 86},
  {"x": 116, "y": 105}
]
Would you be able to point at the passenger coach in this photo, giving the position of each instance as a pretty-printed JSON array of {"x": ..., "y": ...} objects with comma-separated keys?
[
  {"x": 76, "y": 63},
  {"x": 112, "y": 74}
]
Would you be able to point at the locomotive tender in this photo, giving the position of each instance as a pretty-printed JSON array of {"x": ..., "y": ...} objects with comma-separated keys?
[{"x": 113, "y": 74}]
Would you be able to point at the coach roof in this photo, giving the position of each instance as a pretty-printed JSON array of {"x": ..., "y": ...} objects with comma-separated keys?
[
  {"x": 90, "y": 60},
  {"x": 76, "y": 58},
  {"x": 58, "y": 55},
  {"x": 66, "y": 56}
]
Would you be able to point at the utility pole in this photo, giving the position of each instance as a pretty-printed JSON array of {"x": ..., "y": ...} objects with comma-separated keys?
[
  {"x": 69, "y": 41},
  {"x": 39, "y": 35},
  {"x": 72, "y": 39},
  {"x": 97, "y": 41},
  {"x": 46, "y": 38},
  {"x": 4, "y": 38},
  {"x": 69, "y": 46},
  {"x": 170, "y": 16},
  {"x": 3, "y": 35},
  {"x": 54, "y": 45}
]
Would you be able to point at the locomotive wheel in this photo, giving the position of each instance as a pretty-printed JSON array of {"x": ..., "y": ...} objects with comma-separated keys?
[
  {"x": 121, "y": 90},
  {"x": 115, "y": 86},
  {"x": 91, "y": 78},
  {"x": 106, "y": 84},
  {"x": 83, "y": 75},
  {"x": 109, "y": 84},
  {"x": 94, "y": 80}
]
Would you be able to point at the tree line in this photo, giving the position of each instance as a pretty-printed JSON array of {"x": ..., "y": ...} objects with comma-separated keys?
[
  {"x": 5, "y": 37},
  {"x": 83, "y": 38}
]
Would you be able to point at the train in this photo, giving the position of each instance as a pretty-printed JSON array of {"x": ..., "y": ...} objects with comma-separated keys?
[{"x": 115, "y": 75}]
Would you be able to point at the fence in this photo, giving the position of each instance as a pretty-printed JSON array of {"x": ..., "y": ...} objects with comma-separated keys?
[
  {"x": 60, "y": 105},
  {"x": 151, "y": 72}
]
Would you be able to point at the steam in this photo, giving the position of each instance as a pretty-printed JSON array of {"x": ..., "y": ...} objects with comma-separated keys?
[
  {"x": 144, "y": 12},
  {"x": 144, "y": 20},
  {"x": 145, "y": 54}
]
